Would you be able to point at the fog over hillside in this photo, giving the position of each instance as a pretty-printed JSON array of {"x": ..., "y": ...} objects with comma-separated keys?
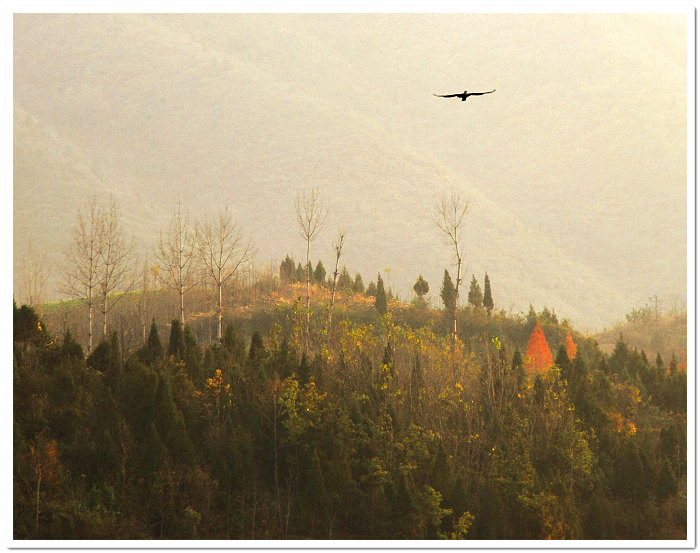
[{"x": 575, "y": 167}]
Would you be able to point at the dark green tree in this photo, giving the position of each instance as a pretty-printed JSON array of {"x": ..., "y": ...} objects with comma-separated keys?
[
  {"x": 475, "y": 297},
  {"x": 358, "y": 286},
  {"x": 234, "y": 344},
  {"x": 257, "y": 354},
  {"x": 154, "y": 350},
  {"x": 421, "y": 287},
  {"x": 345, "y": 281},
  {"x": 320, "y": 274},
  {"x": 176, "y": 344},
  {"x": 488, "y": 299},
  {"x": 380, "y": 297},
  {"x": 371, "y": 290},
  {"x": 448, "y": 293},
  {"x": 192, "y": 355},
  {"x": 287, "y": 270}
]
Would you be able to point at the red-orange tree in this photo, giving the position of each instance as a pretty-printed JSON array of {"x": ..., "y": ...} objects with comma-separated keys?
[
  {"x": 570, "y": 346},
  {"x": 537, "y": 355}
]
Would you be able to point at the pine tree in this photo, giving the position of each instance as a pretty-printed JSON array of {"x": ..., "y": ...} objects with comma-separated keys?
[
  {"x": 153, "y": 347},
  {"x": 176, "y": 345},
  {"x": 448, "y": 293},
  {"x": 475, "y": 297},
  {"x": 371, "y": 291},
  {"x": 488, "y": 299},
  {"x": 358, "y": 286},
  {"x": 380, "y": 298},
  {"x": 320, "y": 274},
  {"x": 345, "y": 281},
  {"x": 287, "y": 270}
]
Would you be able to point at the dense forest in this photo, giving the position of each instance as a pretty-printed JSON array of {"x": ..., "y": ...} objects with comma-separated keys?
[{"x": 377, "y": 423}]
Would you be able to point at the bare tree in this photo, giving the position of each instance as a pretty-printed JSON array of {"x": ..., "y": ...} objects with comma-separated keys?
[
  {"x": 338, "y": 247},
  {"x": 222, "y": 250},
  {"x": 82, "y": 261},
  {"x": 117, "y": 262},
  {"x": 175, "y": 254},
  {"x": 32, "y": 278},
  {"x": 450, "y": 211},
  {"x": 310, "y": 216},
  {"x": 142, "y": 303}
]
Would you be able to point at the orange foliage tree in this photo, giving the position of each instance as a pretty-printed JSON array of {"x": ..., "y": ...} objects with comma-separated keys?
[
  {"x": 538, "y": 354},
  {"x": 570, "y": 346}
]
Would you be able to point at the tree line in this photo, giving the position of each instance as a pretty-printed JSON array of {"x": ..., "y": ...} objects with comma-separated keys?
[{"x": 387, "y": 429}]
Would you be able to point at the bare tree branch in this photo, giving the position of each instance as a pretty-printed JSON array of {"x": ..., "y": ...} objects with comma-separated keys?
[
  {"x": 117, "y": 262},
  {"x": 175, "y": 254},
  {"x": 83, "y": 259},
  {"x": 450, "y": 212},
  {"x": 310, "y": 216},
  {"x": 338, "y": 247},
  {"x": 222, "y": 250}
]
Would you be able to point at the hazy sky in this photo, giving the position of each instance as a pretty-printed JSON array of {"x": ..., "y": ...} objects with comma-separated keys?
[{"x": 576, "y": 166}]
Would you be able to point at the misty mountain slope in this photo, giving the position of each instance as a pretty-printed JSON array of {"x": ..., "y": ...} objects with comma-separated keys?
[{"x": 248, "y": 110}]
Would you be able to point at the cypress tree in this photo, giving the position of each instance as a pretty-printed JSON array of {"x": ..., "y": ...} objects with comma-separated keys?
[
  {"x": 371, "y": 291},
  {"x": 345, "y": 281},
  {"x": 488, "y": 299},
  {"x": 176, "y": 345},
  {"x": 320, "y": 274},
  {"x": 475, "y": 297},
  {"x": 192, "y": 355},
  {"x": 233, "y": 344},
  {"x": 448, "y": 293},
  {"x": 380, "y": 298},
  {"x": 154, "y": 350},
  {"x": 257, "y": 354},
  {"x": 358, "y": 286}
]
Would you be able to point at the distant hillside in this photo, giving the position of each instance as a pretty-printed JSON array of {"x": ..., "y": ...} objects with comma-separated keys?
[
  {"x": 247, "y": 110},
  {"x": 666, "y": 335}
]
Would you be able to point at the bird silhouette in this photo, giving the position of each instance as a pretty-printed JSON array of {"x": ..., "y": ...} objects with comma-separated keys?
[{"x": 464, "y": 95}]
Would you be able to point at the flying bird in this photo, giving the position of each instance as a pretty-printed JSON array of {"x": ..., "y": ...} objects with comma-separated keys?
[{"x": 464, "y": 95}]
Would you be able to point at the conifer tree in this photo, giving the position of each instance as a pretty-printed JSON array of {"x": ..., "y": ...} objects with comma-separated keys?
[
  {"x": 358, "y": 286},
  {"x": 371, "y": 290},
  {"x": 488, "y": 299},
  {"x": 320, "y": 274},
  {"x": 380, "y": 298},
  {"x": 345, "y": 280},
  {"x": 448, "y": 293},
  {"x": 176, "y": 345},
  {"x": 287, "y": 270},
  {"x": 475, "y": 297},
  {"x": 153, "y": 347},
  {"x": 192, "y": 354}
]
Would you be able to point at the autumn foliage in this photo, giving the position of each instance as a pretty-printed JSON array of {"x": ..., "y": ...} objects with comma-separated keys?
[
  {"x": 538, "y": 354},
  {"x": 570, "y": 346}
]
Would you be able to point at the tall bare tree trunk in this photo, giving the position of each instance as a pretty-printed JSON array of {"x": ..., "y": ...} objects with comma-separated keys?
[
  {"x": 220, "y": 315},
  {"x": 89, "y": 347},
  {"x": 338, "y": 246},
  {"x": 310, "y": 216},
  {"x": 449, "y": 218}
]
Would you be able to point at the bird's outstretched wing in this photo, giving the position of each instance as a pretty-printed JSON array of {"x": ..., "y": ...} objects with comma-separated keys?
[
  {"x": 446, "y": 95},
  {"x": 480, "y": 93}
]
